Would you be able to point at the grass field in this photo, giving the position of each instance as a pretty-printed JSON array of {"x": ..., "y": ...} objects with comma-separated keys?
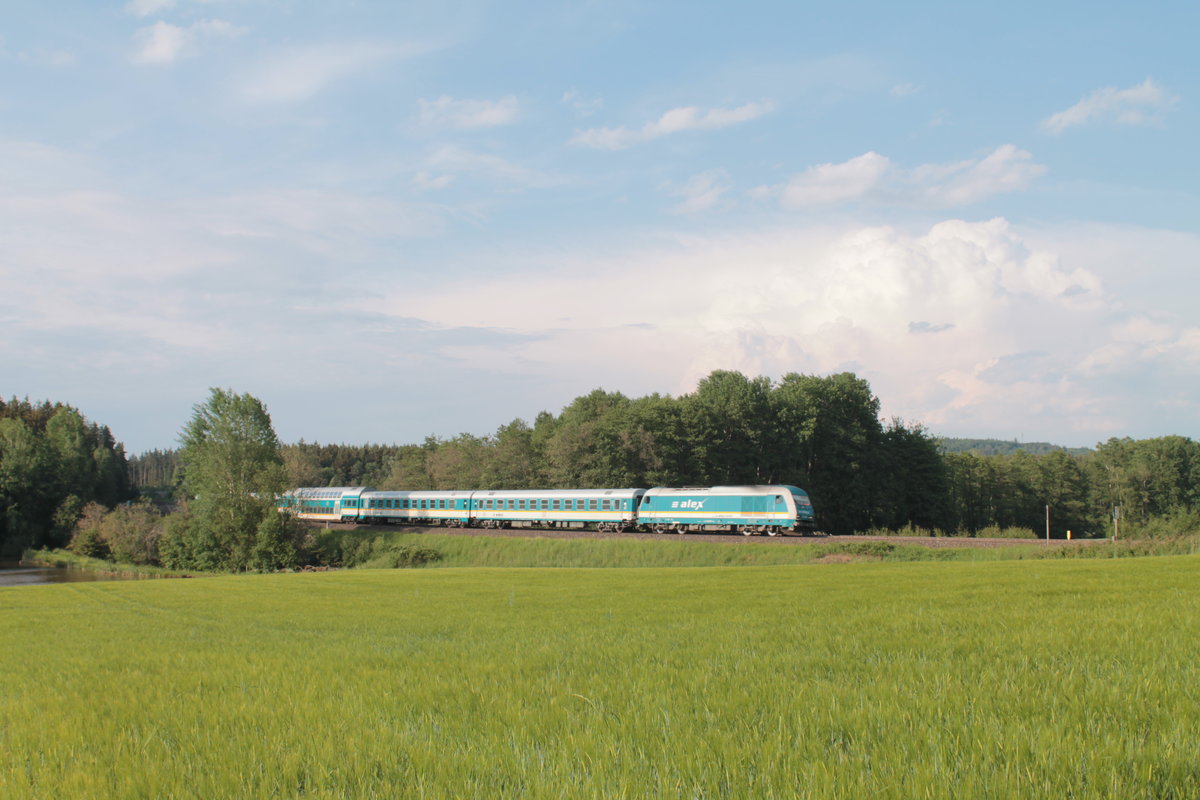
[
  {"x": 1007, "y": 679},
  {"x": 383, "y": 549}
]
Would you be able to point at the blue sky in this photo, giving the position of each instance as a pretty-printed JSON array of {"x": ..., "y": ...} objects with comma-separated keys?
[{"x": 389, "y": 220}]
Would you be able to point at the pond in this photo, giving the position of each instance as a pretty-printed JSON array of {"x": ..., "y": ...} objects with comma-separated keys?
[{"x": 13, "y": 574}]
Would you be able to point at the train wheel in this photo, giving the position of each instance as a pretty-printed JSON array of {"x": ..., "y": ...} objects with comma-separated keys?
[
  {"x": 772, "y": 531},
  {"x": 747, "y": 530}
]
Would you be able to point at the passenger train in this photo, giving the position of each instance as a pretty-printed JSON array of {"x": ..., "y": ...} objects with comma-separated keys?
[{"x": 749, "y": 510}]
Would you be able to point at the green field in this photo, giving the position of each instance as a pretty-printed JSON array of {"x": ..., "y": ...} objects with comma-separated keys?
[{"x": 1005, "y": 679}]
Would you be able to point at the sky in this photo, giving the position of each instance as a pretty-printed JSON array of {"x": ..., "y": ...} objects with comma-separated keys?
[{"x": 389, "y": 220}]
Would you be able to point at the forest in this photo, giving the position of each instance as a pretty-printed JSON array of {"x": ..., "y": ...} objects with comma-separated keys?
[
  {"x": 53, "y": 463},
  {"x": 824, "y": 434},
  {"x": 62, "y": 476}
]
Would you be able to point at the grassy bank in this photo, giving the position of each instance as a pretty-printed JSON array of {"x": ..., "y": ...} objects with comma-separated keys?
[
  {"x": 1007, "y": 679},
  {"x": 65, "y": 559},
  {"x": 382, "y": 549}
]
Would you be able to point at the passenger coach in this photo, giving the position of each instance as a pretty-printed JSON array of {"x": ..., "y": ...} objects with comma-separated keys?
[
  {"x": 330, "y": 504},
  {"x": 607, "y": 509},
  {"x": 446, "y": 508}
]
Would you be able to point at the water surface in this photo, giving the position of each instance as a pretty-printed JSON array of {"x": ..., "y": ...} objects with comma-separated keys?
[{"x": 13, "y": 574}]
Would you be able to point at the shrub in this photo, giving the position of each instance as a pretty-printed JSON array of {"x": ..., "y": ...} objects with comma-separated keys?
[
  {"x": 87, "y": 540},
  {"x": 373, "y": 550},
  {"x": 1011, "y": 532}
]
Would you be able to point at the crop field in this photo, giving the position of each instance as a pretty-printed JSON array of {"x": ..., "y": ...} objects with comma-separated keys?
[{"x": 867, "y": 680}]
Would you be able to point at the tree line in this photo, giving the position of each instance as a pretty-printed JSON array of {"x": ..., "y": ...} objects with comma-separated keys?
[
  {"x": 65, "y": 480},
  {"x": 823, "y": 434},
  {"x": 53, "y": 462}
]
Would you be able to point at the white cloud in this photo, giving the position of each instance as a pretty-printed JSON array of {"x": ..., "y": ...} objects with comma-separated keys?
[
  {"x": 298, "y": 73},
  {"x": 963, "y": 326},
  {"x": 904, "y": 90},
  {"x": 832, "y": 184},
  {"x": 462, "y": 161},
  {"x": 1136, "y": 105},
  {"x": 701, "y": 192},
  {"x": 676, "y": 120},
  {"x": 144, "y": 8},
  {"x": 874, "y": 178},
  {"x": 584, "y": 106},
  {"x": 446, "y": 112},
  {"x": 426, "y": 181},
  {"x": 164, "y": 43},
  {"x": 1005, "y": 169}
]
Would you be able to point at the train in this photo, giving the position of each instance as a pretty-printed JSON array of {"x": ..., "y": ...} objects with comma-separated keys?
[{"x": 749, "y": 510}]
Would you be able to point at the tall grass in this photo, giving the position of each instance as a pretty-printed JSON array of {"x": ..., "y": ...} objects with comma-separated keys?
[
  {"x": 379, "y": 549},
  {"x": 1016, "y": 679}
]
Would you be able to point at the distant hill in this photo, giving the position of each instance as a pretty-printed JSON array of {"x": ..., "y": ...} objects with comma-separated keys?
[{"x": 1002, "y": 447}]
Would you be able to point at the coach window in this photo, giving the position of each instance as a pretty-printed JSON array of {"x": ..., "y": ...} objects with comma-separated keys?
[
  {"x": 555, "y": 505},
  {"x": 606, "y": 505},
  {"x": 591, "y": 505}
]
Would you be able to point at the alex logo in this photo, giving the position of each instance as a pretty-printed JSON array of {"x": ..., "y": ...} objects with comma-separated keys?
[{"x": 696, "y": 505}]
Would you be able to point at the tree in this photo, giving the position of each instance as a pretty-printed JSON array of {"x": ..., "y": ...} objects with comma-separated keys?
[
  {"x": 232, "y": 470},
  {"x": 828, "y": 441},
  {"x": 728, "y": 419}
]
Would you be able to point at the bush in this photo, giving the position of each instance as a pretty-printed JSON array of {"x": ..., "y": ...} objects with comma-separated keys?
[
  {"x": 876, "y": 549},
  {"x": 1180, "y": 522},
  {"x": 127, "y": 534},
  {"x": 996, "y": 532},
  {"x": 132, "y": 533},
  {"x": 376, "y": 551},
  {"x": 87, "y": 540},
  {"x": 187, "y": 545}
]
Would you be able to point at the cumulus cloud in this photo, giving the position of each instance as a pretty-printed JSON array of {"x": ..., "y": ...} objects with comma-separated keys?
[
  {"x": 874, "y": 178},
  {"x": 963, "y": 326},
  {"x": 298, "y": 73},
  {"x": 164, "y": 43},
  {"x": 1136, "y": 105},
  {"x": 676, "y": 120},
  {"x": 446, "y": 112}
]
